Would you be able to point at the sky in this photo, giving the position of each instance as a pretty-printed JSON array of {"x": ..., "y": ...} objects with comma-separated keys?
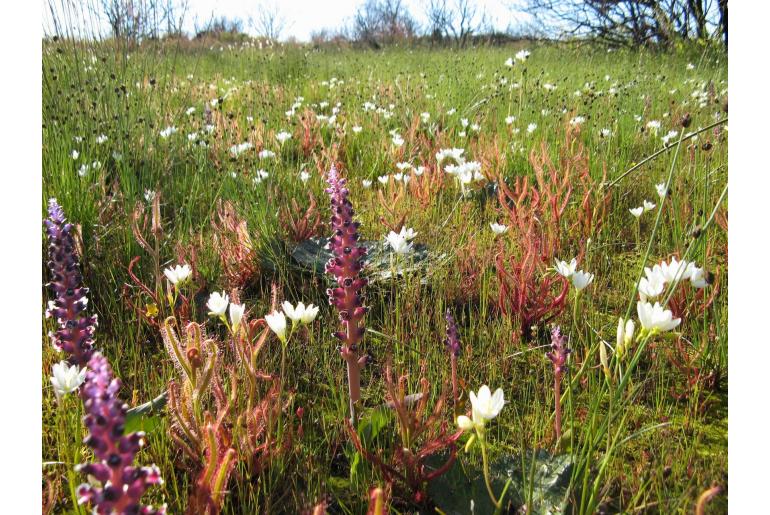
[{"x": 302, "y": 16}]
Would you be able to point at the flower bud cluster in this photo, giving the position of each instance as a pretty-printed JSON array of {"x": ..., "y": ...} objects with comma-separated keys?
[
  {"x": 122, "y": 483},
  {"x": 346, "y": 264},
  {"x": 75, "y": 335}
]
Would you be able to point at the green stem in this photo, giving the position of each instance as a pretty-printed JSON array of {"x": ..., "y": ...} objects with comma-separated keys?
[{"x": 491, "y": 493}]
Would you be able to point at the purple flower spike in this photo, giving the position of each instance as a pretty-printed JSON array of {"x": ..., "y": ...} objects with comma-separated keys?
[
  {"x": 122, "y": 483},
  {"x": 558, "y": 356},
  {"x": 452, "y": 342},
  {"x": 346, "y": 266},
  {"x": 75, "y": 335},
  {"x": 559, "y": 351}
]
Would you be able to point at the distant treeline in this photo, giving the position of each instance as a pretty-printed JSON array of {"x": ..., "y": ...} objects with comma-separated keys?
[{"x": 458, "y": 23}]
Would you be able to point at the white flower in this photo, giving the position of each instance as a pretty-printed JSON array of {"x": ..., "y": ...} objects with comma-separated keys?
[
  {"x": 101, "y": 139},
  {"x": 654, "y": 318},
  {"x": 509, "y": 120},
  {"x": 566, "y": 270},
  {"x": 75, "y": 154},
  {"x": 277, "y": 323},
  {"x": 675, "y": 271},
  {"x": 671, "y": 134},
  {"x": 625, "y": 332},
  {"x": 498, "y": 228},
  {"x": 66, "y": 379},
  {"x": 486, "y": 406},
  {"x": 698, "y": 277},
  {"x": 217, "y": 303},
  {"x": 190, "y": 110},
  {"x": 581, "y": 279},
  {"x": 578, "y": 120},
  {"x": 398, "y": 242},
  {"x": 531, "y": 128},
  {"x": 509, "y": 62},
  {"x": 304, "y": 176},
  {"x": 662, "y": 190},
  {"x": 409, "y": 234},
  {"x": 690, "y": 66},
  {"x": 605, "y": 133},
  {"x": 357, "y": 129},
  {"x": 397, "y": 140},
  {"x": 383, "y": 179},
  {"x": 637, "y": 211},
  {"x": 652, "y": 286},
  {"x": 237, "y": 150},
  {"x": 648, "y": 206},
  {"x": 266, "y": 154},
  {"x": 456, "y": 154},
  {"x": 149, "y": 196},
  {"x": 465, "y": 423},
  {"x": 425, "y": 117},
  {"x": 178, "y": 274},
  {"x": 283, "y": 137},
  {"x": 168, "y": 131},
  {"x": 653, "y": 125},
  {"x": 301, "y": 314},
  {"x": 522, "y": 55},
  {"x": 192, "y": 136},
  {"x": 236, "y": 315},
  {"x": 367, "y": 183}
]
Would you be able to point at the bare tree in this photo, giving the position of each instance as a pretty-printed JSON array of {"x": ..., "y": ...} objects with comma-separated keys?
[
  {"x": 439, "y": 17},
  {"x": 635, "y": 22},
  {"x": 463, "y": 21},
  {"x": 270, "y": 23},
  {"x": 383, "y": 21}
]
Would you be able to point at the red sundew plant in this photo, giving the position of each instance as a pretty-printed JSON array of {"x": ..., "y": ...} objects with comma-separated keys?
[
  {"x": 527, "y": 291},
  {"x": 217, "y": 429},
  {"x": 390, "y": 202},
  {"x": 346, "y": 266},
  {"x": 305, "y": 225},
  {"x": 234, "y": 246},
  {"x": 422, "y": 433}
]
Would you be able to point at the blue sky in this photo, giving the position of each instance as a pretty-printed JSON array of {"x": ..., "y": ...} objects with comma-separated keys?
[{"x": 303, "y": 16}]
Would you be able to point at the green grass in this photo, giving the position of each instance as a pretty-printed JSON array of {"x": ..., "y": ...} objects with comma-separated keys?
[{"x": 656, "y": 453}]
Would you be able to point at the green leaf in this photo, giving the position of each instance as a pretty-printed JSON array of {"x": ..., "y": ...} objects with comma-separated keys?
[
  {"x": 145, "y": 417},
  {"x": 381, "y": 261},
  {"x": 538, "y": 479}
]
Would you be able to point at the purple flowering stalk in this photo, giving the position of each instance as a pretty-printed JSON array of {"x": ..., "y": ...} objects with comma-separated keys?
[
  {"x": 75, "y": 335},
  {"x": 122, "y": 483},
  {"x": 558, "y": 356},
  {"x": 452, "y": 344},
  {"x": 346, "y": 267}
]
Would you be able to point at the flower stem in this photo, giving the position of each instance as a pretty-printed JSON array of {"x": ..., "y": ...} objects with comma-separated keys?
[{"x": 491, "y": 493}]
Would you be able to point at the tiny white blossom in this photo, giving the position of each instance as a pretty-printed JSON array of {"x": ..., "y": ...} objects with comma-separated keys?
[
  {"x": 67, "y": 378},
  {"x": 178, "y": 275},
  {"x": 217, "y": 303},
  {"x": 498, "y": 228}
]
